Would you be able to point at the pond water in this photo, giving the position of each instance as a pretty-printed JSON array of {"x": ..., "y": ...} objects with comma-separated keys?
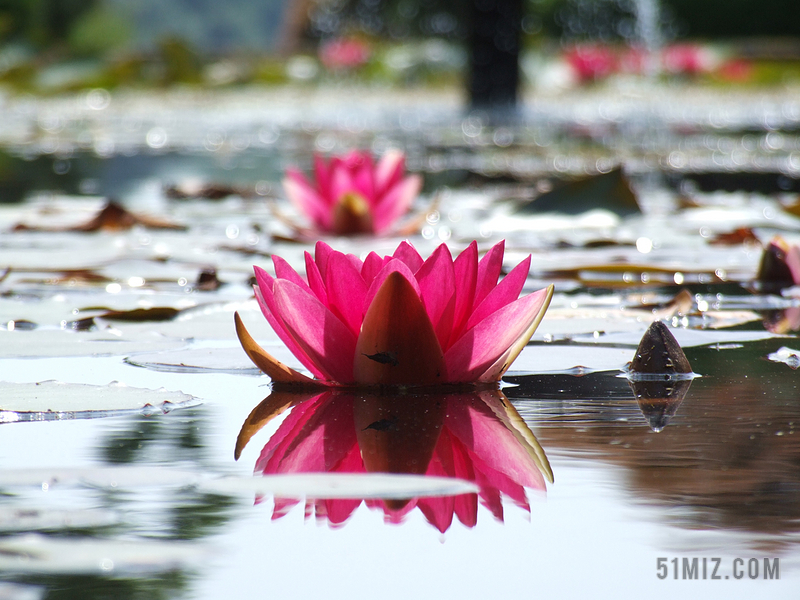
[{"x": 121, "y": 480}]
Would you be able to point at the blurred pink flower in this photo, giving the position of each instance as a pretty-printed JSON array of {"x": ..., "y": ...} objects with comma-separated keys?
[
  {"x": 478, "y": 437},
  {"x": 344, "y": 53},
  {"x": 735, "y": 70},
  {"x": 352, "y": 194},
  {"x": 592, "y": 62},
  {"x": 685, "y": 59},
  {"x": 396, "y": 320}
]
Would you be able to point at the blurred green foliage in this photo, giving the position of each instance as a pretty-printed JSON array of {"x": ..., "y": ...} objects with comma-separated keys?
[{"x": 40, "y": 23}]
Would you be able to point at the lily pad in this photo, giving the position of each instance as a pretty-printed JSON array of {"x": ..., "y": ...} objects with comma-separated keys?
[
  {"x": 53, "y": 342},
  {"x": 99, "y": 477},
  {"x": 56, "y": 401},
  {"x": 36, "y": 553},
  {"x": 610, "y": 191},
  {"x": 16, "y": 519},
  {"x": 12, "y": 591},
  {"x": 786, "y": 355},
  {"x": 112, "y": 217},
  {"x": 199, "y": 360},
  {"x": 570, "y": 359},
  {"x": 341, "y": 485}
]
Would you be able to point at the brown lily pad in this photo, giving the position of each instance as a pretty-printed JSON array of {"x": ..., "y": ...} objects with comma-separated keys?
[
  {"x": 112, "y": 217},
  {"x": 158, "y": 313},
  {"x": 741, "y": 235},
  {"x": 206, "y": 191}
]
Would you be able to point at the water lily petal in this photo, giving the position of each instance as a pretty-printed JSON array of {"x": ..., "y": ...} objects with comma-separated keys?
[
  {"x": 315, "y": 281},
  {"x": 346, "y": 291},
  {"x": 372, "y": 266},
  {"x": 409, "y": 255},
  {"x": 397, "y": 344},
  {"x": 488, "y": 271},
  {"x": 284, "y": 271},
  {"x": 437, "y": 510},
  {"x": 341, "y": 183},
  {"x": 271, "y": 407},
  {"x": 396, "y": 203},
  {"x": 465, "y": 270},
  {"x": 390, "y": 266},
  {"x": 364, "y": 178},
  {"x": 306, "y": 199},
  {"x": 505, "y": 411},
  {"x": 266, "y": 301},
  {"x": 506, "y": 292},
  {"x": 436, "y": 279},
  {"x": 325, "y": 440},
  {"x": 466, "y": 505},
  {"x": 322, "y": 173},
  {"x": 501, "y": 365},
  {"x": 389, "y": 171},
  {"x": 478, "y": 427},
  {"x": 276, "y": 370},
  {"x": 292, "y": 428},
  {"x": 341, "y": 509},
  {"x": 793, "y": 262},
  {"x": 493, "y": 338},
  {"x": 321, "y": 253},
  {"x": 327, "y": 341}
]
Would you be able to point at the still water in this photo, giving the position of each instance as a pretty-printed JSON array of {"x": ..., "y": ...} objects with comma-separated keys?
[{"x": 569, "y": 486}]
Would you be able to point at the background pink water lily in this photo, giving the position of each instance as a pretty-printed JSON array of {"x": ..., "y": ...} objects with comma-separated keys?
[
  {"x": 399, "y": 319},
  {"x": 354, "y": 194},
  {"x": 477, "y": 437}
]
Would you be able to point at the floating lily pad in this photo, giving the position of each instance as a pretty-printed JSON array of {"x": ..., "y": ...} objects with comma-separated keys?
[
  {"x": 342, "y": 485},
  {"x": 55, "y": 401},
  {"x": 112, "y": 217},
  {"x": 36, "y": 553},
  {"x": 610, "y": 191},
  {"x": 569, "y": 359},
  {"x": 787, "y": 356},
  {"x": 49, "y": 342},
  {"x": 16, "y": 519},
  {"x": 99, "y": 477},
  {"x": 205, "y": 360},
  {"x": 12, "y": 591},
  {"x": 687, "y": 338}
]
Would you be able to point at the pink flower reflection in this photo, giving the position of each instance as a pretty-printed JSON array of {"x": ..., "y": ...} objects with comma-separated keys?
[{"x": 475, "y": 436}]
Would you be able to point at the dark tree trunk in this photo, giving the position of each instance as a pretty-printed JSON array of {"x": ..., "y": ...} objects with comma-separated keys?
[{"x": 494, "y": 42}]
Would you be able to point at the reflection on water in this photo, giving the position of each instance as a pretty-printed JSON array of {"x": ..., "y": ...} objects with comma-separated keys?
[
  {"x": 729, "y": 458},
  {"x": 475, "y": 436}
]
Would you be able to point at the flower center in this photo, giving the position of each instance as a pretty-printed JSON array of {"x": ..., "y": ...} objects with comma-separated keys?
[{"x": 351, "y": 214}]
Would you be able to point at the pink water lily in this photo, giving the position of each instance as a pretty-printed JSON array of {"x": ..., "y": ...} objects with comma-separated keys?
[
  {"x": 475, "y": 436},
  {"x": 353, "y": 194},
  {"x": 396, "y": 320}
]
